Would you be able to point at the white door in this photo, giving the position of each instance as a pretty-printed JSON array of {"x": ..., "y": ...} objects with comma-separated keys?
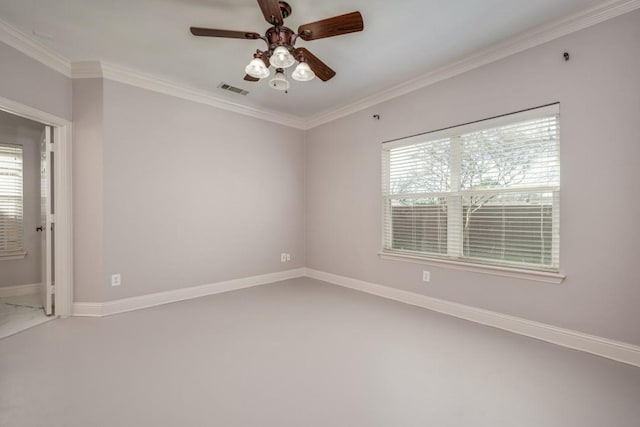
[{"x": 46, "y": 219}]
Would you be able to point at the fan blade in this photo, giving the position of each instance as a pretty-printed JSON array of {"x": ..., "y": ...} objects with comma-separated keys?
[
  {"x": 250, "y": 78},
  {"x": 271, "y": 11},
  {"x": 210, "y": 32},
  {"x": 322, "y": 70},
  {"x": 336, "y": 26}
]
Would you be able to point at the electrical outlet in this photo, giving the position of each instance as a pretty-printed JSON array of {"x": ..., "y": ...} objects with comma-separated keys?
[
  {"x": 426, "y": 276},
  {"x": 288, "y": 257},
  {"x": 283, "y": 257},
  {"x": 115, "y": 280}
]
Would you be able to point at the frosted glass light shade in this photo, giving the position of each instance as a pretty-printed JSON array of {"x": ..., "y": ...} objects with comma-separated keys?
[
  {"x": 279, "y": 81},
  {"x": 281, "y": 58},
  {"x": 257, "y": 69},
  {"x": 303, "y": 73}
]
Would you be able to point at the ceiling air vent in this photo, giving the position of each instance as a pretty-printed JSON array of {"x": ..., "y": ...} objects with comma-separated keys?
[{"x": 226, "y": 86}]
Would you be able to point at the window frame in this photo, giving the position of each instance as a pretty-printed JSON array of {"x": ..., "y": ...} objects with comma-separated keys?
[
  {"x": 516, "y": 270},
  {"x": 19, "y": 252}
]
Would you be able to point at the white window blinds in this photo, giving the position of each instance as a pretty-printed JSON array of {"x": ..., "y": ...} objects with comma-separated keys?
[
  {"x": 486, "y": 192},
  {"x": 11, "y": 227}
]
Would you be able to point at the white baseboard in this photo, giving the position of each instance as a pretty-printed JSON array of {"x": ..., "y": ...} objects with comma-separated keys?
[
  {"x": 615, "y": 350},
  {"x": 19, "y": 290},
  {"x": 91, "y": 309},
  {"x": 619, "y": 351}
]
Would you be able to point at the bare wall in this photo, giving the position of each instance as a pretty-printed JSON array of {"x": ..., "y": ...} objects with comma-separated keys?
[
  {"x": 194, "y": 195},
  {"x": 19, "y": 131},
  {"x": 88, "y": 209},
  {"x": 32, "y": 83},
  {"x": 600, "y": 238}
]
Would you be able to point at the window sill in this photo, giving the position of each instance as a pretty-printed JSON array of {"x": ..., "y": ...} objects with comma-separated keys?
[
  {"x": 518, "y": 273},
  {"x": 13, "y": 257}
]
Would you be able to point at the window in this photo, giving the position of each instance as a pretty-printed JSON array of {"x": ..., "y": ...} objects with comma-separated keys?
[
  {"x": 11, "y": 227},
  {"x": 483, "y": 193}
]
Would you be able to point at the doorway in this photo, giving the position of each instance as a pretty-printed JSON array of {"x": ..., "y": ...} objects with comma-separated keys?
[{"x": 42, "y": 248}]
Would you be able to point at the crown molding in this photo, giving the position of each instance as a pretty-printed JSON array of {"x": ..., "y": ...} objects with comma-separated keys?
[
  {"x": 100, "y": 69},
  {"x": 145, "y": 81},
  {"x": 95, "y": 69},
  {"x": 517, "y": 44},
  {"x": 86, "y": 70},
  {"x": 27, "y": 45}
]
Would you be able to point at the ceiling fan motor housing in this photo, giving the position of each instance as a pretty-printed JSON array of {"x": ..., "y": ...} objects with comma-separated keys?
[
  {"x": 279, "y": 36},
  {"x": 280, "y": 40}
]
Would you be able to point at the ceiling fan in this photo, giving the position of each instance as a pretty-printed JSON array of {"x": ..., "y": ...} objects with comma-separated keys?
[{"x": 280, "y": 51}]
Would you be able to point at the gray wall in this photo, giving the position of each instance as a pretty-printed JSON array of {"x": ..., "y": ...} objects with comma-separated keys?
[
  {"x": 88, "y": 209},
  {"x": 19, "y": 131},
  {"x": 29, "y": 82},
  {"x": 167, "y": 192},
  {"x": 173, "y": 193},
  {"x": 600, "y": 238}
]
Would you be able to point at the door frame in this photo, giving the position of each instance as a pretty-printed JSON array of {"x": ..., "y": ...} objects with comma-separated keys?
[{"x": 62, "y": 180}]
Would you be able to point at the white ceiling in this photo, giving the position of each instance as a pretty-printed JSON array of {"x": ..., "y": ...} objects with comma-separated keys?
[{"x": 401, "y": 40}]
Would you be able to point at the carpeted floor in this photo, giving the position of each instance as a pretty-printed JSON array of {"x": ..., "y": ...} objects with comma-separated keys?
[{"x": 302, "y": 353}]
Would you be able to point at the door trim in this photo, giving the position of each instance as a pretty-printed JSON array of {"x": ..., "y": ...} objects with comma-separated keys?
[{"x": 62, "y": 199}]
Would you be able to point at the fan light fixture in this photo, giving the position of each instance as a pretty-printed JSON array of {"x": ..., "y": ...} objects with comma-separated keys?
[
  {"x": 280, "y": 42},
  {"x": 303, "y": 73},
  {"x": 281, "y": 58},
  {"x": 257, "y": 68},
  {"x": 279, "y": 81}
]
